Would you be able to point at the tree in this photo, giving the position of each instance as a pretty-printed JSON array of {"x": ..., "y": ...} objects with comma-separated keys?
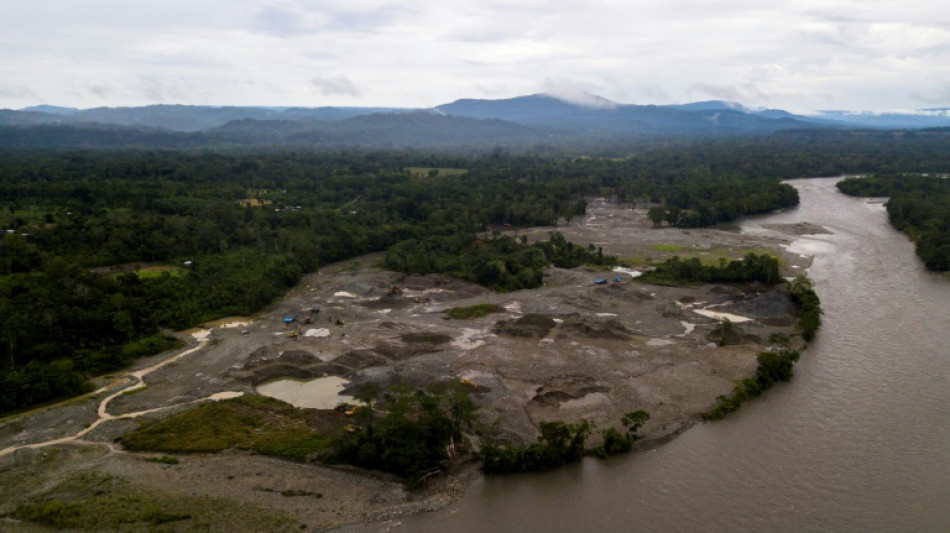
[
  {"x": 725, "y": 330},
  {"x": 657, "y": 215},
  {"x": 122, "y": 322},
  {"x": 410, "y": 437},
  {"x": 633, "y": 421},
  {"x": 369, "y": 392},
  {"x": 673, "y": 216}
]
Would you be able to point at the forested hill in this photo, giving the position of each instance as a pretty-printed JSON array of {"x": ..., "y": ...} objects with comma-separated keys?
[
  {"x": 538, "y": 116},
  {"x": 375, "y": 130},
  {"x": 918, "y": 205},
  {"x": 100, "y": 250},
  {"x": 522, "y": 121}
]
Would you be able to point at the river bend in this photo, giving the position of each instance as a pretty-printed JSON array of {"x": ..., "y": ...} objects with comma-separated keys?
[{"x": 859, "y": 441}]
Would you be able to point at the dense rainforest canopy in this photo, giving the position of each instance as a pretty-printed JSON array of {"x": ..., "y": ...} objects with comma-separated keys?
[{"x": 226, "y": 232}]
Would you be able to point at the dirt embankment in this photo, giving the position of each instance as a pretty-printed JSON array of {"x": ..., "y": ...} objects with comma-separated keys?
[{"x": 572, "y": 350}]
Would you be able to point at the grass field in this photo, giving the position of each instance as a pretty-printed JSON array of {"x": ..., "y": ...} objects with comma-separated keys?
[
  {"x": 92, "y": 501},
  {"x": 253, "y": 202},
  {"x": 157, "y": 271},
  {"x": 258, "y": 423},
  {"x": 142, "y": 270},
  {"x": 474, "y": 311}
]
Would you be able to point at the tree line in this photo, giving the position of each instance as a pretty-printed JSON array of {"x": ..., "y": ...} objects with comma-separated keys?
[
  {"x": 762, "y": 268},
  {"x": 500, "y": 263}
]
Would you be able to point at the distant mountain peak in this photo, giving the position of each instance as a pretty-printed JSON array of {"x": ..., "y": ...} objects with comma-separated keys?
[
  {"x": 581, "y": 98},
  {"x": 51, "y": 109}
]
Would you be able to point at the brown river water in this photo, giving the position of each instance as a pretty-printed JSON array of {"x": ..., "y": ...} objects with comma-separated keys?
[{"x": 859, "y": 441}]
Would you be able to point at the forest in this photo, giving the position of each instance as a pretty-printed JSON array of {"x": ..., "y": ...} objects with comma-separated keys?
[
  {"x": 103, "y": 252},
  {"x": 918, "y": 205}
]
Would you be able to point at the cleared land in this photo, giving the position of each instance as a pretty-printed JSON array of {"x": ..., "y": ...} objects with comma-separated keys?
[{"x": 571, "y": 350}]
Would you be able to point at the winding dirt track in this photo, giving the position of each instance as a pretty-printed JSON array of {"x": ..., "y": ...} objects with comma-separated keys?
[{"x": 136, "y": 381}]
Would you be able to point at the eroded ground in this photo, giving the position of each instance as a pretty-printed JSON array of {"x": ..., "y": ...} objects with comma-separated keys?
[{"x": 598, "y": 351}]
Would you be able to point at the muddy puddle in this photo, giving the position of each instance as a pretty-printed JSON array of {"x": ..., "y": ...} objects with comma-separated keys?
[{"x": 320, "y": 393}]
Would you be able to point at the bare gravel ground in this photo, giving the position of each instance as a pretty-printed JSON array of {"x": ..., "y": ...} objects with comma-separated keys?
[{"x": 612, "y": 348}]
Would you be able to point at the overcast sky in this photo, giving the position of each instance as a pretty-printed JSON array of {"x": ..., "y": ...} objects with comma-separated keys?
[{"x": 797, "y": 55}]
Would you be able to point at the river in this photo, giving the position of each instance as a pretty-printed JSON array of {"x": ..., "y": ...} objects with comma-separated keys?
[{"x": 859, "y": 441}]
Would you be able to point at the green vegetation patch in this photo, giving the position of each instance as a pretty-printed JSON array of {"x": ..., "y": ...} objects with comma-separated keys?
[
  {"x": 265, "y": 425},
  {"x": 712, "y": 256},
  {"x": 474, "y": 311},
  {"x": 808, "y": 306},
  {"x": 501, "y": 263},
  {"x": 143, "y": 272},
  {"x": 634, "y": 261},
  {"x": 560, "y": 443},
  {"x": 159, "y": 271},
  {"x": 404, "y": 431},
  {"x": 92, "y": 501},
  {"x": 150, "y": 345},
  {"x": 751, "y": 268},
  {"x": 772, "y": 368}
]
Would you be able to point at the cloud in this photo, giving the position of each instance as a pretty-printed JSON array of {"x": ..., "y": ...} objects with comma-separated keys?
[
  {"x": 807, "y": 54},
  {"x": 290, "y": 19},
  {"x": 729, "y": 93},
  {"x": 338, "y": 85},
  {"x": 17, "y": 92},
  {"x": 576, "y": 92},
  {"x": 370, "y": 21},
  {"x": 157, "y": 90},
  {"x": 284, "y": 21},
  {"x": 933, "y": 95},
  {"x": 493, "y": 90},
  {"x": 646, "y": 93},
  {"x": 101, "y": 91}
]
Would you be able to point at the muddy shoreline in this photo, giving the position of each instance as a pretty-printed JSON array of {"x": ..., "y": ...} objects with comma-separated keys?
[{"x": 613, "y": 348}]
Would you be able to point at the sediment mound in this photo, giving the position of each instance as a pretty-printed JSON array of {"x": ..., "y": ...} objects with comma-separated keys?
[
  {"x": 530, "y": 325},
  {"x": 770, "y": 304},
  {"x": 560, "y": 389},
  {"x": 611, "y": 329},
  {"x": 731, "y": 334}
]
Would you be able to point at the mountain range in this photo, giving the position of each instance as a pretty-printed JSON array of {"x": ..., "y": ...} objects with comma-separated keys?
[{"x": 534, "y": 118}]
